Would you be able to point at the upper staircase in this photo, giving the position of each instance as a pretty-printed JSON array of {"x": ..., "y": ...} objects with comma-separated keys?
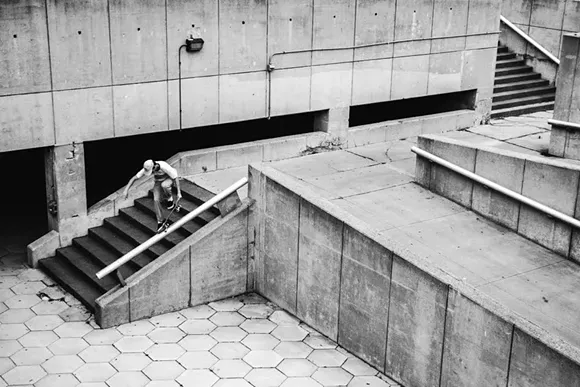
[
  {"x": 517, "y": 88},
  {"x": 74, "y": 267}
]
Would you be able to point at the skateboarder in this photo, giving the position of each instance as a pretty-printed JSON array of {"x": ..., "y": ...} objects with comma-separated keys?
[{"x": 165, "y": 178}]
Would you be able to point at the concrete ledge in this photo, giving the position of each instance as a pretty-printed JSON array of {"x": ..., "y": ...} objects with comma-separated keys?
[
  {"x": 552, "y": 182},
  {"x": 43, "y": 247},
  {"x": 419, "y": 311},
  {"x": 175, "y": 280}
]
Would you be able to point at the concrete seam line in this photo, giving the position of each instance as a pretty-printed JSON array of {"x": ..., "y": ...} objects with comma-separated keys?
[
  {"x": 510, "y": 355},
  {"x": 444, "y": 334}
]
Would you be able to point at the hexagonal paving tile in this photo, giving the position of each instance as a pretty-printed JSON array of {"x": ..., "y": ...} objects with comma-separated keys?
[
  {"x": 198, "y": 378},
  {"x": 38, "y": 339},
  {"x": 198, "y": 312},
  {"x": 12, "y": 331},
  {"x": 5, "y": 294},
  {"x": 260, "y": 341},
  {"x": 297, "y": 367},
  {"x": 20, "y": 301},
  {"x": 332, "y": 376},
  {"x": 16, "y": 316},
  {"x": 73, "y": 329},
  {"x": 197, "y": 327},
  {"x": 131, "y": 362},
  {"x": 227, "y": 305},
  {"x": 197, "y": 342},
  {"x": 167, "y": 320},
  {"x": 281, "y": 317},
  {"x": 24, "y": 375},
  {"x": 327, "y": 358},
  {"x": 357, "y": 367},
  {"x": 62, "y": 364},
  {"x": 300, "y": 382},
  {"x": 9, "y": 347},
  {"x": 256, "y": 311},
  {"x": 60, "y": 380},
  {"x": 137, "y": 328},
  {"x": 75, "y": 314},
  {"x": 102, "y": 336},
  {"x": 68, "y": 346},
  {"x": 162, "y": 383},
  {"x": 227, "y": 319},
  {"x": 31, "y": 287},
  {"x": 94, "y": 372},
  {"x": 258, "y": 326},
  {"x": 163, "y": 370},
  {"x": 165, "y": 352},
  {"x": 31, "y": 356},
  {"x": 228, "y": 334},
  {"x": 263, "y": 359},
  {"x": 49, "y": 307},
  {"x": 318, "y": 341},
  {"x": 128, "y": 379},
  {"x": 197, "y": 360},
  {"x": 289, "y": 333},
  {"x": 367, "y": 381},
  {"x": 265, "y": 377},
  {"x": 44, "y": 323},
  {"x": 8, "y": 281},
  {"x": 293, "y": 349},
  {"x": 231, "y": 368},
  {"x": 99, "y": 354},
  {"x": 31, "y": 275},
  {"x": 6, "y": 365},
  {"x": 230, "y": 350},
  {"x": 133, "y": 344},
  {"x": 232, "y": 383},
  {"x": 166, "y": 335}
]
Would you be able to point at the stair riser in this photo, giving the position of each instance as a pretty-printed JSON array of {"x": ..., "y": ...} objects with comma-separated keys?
[
  {"x": 502, "y": 50},
  {"x": 88, "y": 274},
  {"x": 514, "y": 71},
  {"x": 520, "y": 78},
  {"x": 508, "y": 87},
  {"x": 523, "y": 110},
  {"x": 509, "y": 104},
  {"x": 523, "y": 94},
  {"x": 505, "y": 56},
  {"x": 503, "y": 65}
]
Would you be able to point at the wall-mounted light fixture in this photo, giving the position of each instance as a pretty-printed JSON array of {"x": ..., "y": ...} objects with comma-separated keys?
[{"x": 193, "y": 43}]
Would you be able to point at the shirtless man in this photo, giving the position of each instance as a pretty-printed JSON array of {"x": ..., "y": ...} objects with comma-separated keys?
[{"x": 165, "y": 177}]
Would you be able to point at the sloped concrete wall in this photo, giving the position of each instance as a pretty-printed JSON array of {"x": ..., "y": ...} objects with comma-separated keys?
[
  {"x": 75, "y": 71},
  {"x": 380, "y": 299}
]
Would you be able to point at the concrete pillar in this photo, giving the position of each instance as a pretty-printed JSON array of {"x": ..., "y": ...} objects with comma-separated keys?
[
  {"x": 66, "y": 191},
  {"x": 333, "y": 121},
  {"x": 565, "y": 142}
]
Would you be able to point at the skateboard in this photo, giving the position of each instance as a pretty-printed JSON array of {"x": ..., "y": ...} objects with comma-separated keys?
[{"x": 165, "y": 224}]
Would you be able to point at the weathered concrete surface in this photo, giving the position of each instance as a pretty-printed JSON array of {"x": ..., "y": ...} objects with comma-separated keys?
[
  {"x": 43, "y": 247},
  {"x": 416, "y": 326},
  {"x": 113, "y": 308}
]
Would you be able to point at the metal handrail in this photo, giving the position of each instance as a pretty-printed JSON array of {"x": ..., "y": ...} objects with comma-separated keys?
[
  {"x": 156, "y": 238},
  {"x": 530, "y": 40},
  {"x": 564, "y": 124},
  {"x": 514, "y": 195}
]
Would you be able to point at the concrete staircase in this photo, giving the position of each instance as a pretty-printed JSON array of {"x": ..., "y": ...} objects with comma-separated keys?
[
  {"x": 74, "y": 267},
  {"x": 518, "y": 89}
]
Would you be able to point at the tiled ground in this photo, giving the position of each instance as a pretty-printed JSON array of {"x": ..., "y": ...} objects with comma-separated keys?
[{"x": 48, "y": 339}]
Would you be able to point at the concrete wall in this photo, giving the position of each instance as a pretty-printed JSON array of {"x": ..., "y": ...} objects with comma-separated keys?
[
  {"x": 75, "y": 71},
  {"x": 207, "y": 266},
  {"x": 381, "y": 300},
  {"x": 554, "y": 183},
  {"x": 545, "y": 21}
]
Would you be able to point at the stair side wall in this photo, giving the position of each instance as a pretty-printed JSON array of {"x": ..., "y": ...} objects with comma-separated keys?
[{"x": 207, "y": 266}]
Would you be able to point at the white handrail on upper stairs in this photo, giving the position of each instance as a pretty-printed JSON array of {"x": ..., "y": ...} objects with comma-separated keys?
[
  {"x": 156, "y": 238},
  {"x": 530, "y": 40},
  {"x": 514, "y": 195}
]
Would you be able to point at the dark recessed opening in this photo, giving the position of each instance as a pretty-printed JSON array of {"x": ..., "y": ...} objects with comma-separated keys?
[
  {"x": 243, "y": 22},
  {"x": 138, "y": 28},
  {"x": 111, "y": 163},
  {"x": 79, "y": 32},
  {"x": 15, "y": 36},
  {"x": 412, "y": 107}
]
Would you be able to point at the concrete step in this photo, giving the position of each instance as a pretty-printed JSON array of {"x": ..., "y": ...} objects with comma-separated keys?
[
  {"x": 84, "y": 264},
  {"x": 71, "y": 280},
  {"x": 504, "y": 87},
  {"x": 523, "y": 109},
  {"x": 500, "y": 80},
  {"x": 147, "y": 222},
  {"x": 146, "y": 205},
  {"x": 104, "y": 255},
  {"x": 522, "y": 93},
  {"x": 523, "y": 101},
  {"x": 119, "y": 244},
  {"x": 130, "y": 232},
  {"x": 513, "y": 71},
  {"x": 506, "y": 55},
  {"x": 508, "y": 63}
]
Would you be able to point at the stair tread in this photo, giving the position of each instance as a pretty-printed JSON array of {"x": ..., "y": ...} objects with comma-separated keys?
[
  {"x": 547, "y": 89},
  {"x": 191, "y": 227},
  {"x": 148, "y": 222},
  {"x": 87, "y": 266},
  {"x": 517, "y": 110},
  {"x": 515, "y": 76},
  {"x": 510, "y": 60},
  {"x": 69, "y": 279},
  {"x": 199, "y": 194},
  {"x": 120, "y": 244},
  {"x": 526, "y": 100},
  {"x": 103, "y": 254},
  {"x": 525, "y": 83},
  {"x": 123, "y": 226},
  {"x": 524, "y": 67}
]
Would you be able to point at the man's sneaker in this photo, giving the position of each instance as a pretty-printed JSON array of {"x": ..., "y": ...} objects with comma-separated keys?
[
  {"x": 162, "y": 226},
  {"x": 170, "y": 204}
]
